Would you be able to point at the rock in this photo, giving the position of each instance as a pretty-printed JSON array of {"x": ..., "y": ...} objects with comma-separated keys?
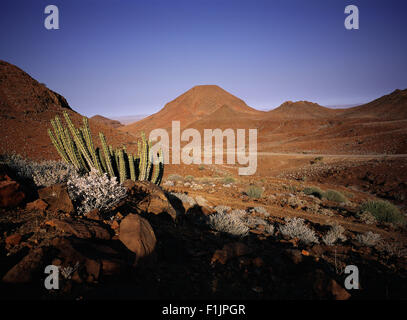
[
  {"x": 294, "y": 255},
  {"x": 82, "y": 229},
  {"x": 37, "y": 205},
  {"x": 327, "y": 288},
  {"x": 258, "y": 262},
  {"x": 10, "y": 194},
  {"x": 24, "y": 271},
  {"x": 201, "y": 201},
  {"x": 13, "y": 240},
  {"x": 137, "y": 235},
  {"x": 148, "y": 197},
  {"x": 230, "y": 251},
  {"x": 87, "y": 261},
  {"x": 337, "y": 291},
  {"x": 94, "y": 215},
  {"x": 57, "y": 198}
]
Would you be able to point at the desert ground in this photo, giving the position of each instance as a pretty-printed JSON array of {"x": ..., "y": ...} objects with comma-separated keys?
[{"x": 329, "y": 191}]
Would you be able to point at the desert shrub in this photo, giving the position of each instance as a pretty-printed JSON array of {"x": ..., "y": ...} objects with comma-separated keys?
[
  {"x": 269, "y": 229},
  {"x": 367, "y": 217},
  {"x": 384, "y": 211},
  {"x": 317, "y": 159},
  {"x": 368, "y": 239},
  {"x": 335, "y": 196},
  {"x": 42, "y": 174},
  {"x": 239, "y": 212},
  {"x": 94, "y": 191},
  {"x": 261, "y": 210},
  {"x": 334, "y": 234},
  {"x": 228, "y": 180},
  {"x": 314, "y": 191},
  {"x": 396, "y": 249},
  {"x": 189, "y": 178},
  {"x": 296, "y": 228},
  {"x": 201, "y": 167},
  {"x": 228, "y": 223},
  {"x": 254, "y": 192},
  {"x": 174, "y": 177},
  {"x": 253, "y": 222},
  {"x": 222, "y": 209},
  {"x": 184, "y": 198},
  {"x": 291, "y": 188}
]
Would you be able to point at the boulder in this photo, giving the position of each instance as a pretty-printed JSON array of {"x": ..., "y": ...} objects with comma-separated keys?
[
  {"x": 148, "y": 197},
  {"x": 24, "y": 271},
  {"x": 57, "y": 198},
  {"x": 13, "y": 240},
  {"x": 83, "y": 229},
  {"x": 230, "y": 251},
  {"x": 11, "y": 194},
  {"x": 37, "y": 205},
  {"x": 137, "y": 235}
]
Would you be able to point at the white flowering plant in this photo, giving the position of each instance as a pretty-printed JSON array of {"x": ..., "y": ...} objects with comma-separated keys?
[{"x": 94, "y": 191}]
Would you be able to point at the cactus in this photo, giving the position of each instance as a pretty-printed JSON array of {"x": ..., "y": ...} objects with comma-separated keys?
[{"x": 75, "y": 146}]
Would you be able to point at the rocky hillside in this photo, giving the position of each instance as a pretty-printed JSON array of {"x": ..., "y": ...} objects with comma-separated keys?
[{"x": 26, "y": 108}]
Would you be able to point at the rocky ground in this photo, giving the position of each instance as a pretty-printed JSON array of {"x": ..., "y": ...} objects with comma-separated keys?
[{"x": 197, "y": 238}]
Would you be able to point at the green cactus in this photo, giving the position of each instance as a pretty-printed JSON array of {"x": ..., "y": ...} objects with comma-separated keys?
[{"x": 75, "y": 146}]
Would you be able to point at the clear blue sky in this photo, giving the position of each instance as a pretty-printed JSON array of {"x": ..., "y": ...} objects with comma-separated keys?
[{"x": 131, "y": 57}]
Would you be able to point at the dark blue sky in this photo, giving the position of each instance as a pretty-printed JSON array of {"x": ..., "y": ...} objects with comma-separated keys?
[{"x": 131, "y": 57}]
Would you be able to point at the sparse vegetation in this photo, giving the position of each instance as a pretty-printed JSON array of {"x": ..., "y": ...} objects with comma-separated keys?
[
  {"x": 228, "y": 180},
  {"x": 317, "y": 159},
  {"x": 367, "y": 217},
  {"x": 334, "y": 234},
  {"x": 41, "y": 174},
  {"x": 175, "y": 177},
  {"x": 228, "y": 223},
  {"x": 333, "y": 195},
  {"x": 189, "y": 178},
  {"x": 94, "y": 191},
  {"x": 201, "y": 167},
  {"x": 296, "y": 228},
  {"x": 314, "y": 191},
  {"x": 368, "y": 239},
  {"x": 384, "y": 211},
  {"x": 254, "y": 192}
]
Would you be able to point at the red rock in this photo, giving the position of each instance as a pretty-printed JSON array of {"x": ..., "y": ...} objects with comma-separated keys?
[
  {"x": 38, "y": 205},
  {"x": 148, "y": 197},
  {"x": 13, "y": 240},
  {"x": 10, "y": 194},
  {"x": 94, "y": 215},
  {"x": 337, "y": 291},
  {"x": 230, "y": 251},
  {"x": 23, "y": 271},
  {"x": 258, "y": 262},
  {"x": 82, "y": 229},
  {"x": 137, "y": 235},
  {"x": 57, "y": 198}
]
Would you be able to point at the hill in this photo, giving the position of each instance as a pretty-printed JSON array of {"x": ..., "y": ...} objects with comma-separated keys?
[
  {"x": 26, "y": 108},
  {"x": 195, "y": 104},
  {"x": 302, "y": 110},
  {"x": 392, "y": 106},
  {"x": 107, "y": 121}
]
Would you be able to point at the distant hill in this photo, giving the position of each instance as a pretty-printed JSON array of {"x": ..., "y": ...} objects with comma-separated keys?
[
  {"x": 302, "y": 110},
  {"x": 191, "y": 106},
  {"x": 392, "y": 106},
  {"x": 107, "y": 121},
  {"x": 129, "y": 119},
  {"x": 26, "y": 108}
]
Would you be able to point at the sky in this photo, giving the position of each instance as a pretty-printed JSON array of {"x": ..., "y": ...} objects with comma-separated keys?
[{"x": 118, "y": 58}]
